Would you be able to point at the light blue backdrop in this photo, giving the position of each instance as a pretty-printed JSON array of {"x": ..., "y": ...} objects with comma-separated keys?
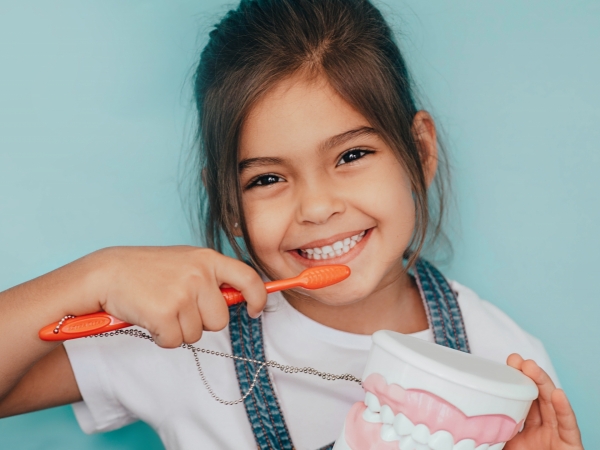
[{"x": 96, "y": 119}]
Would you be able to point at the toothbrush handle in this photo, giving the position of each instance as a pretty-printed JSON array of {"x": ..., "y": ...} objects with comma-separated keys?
[
  {"x": 101, "y": 322},
  {"x": 82, "y": 326},
  {"x": 233, "y": 296}
]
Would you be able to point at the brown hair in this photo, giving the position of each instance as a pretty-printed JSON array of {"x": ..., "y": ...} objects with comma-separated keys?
[{"x": 264, "y": 41}]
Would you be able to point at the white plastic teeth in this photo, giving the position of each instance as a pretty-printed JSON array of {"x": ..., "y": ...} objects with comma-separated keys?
[
  {"x": 338, "y": 248},
  {"x": 410, "y": 436}
]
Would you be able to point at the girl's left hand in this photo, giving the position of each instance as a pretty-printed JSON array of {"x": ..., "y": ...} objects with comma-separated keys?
[{"x": 551, "y": 422}]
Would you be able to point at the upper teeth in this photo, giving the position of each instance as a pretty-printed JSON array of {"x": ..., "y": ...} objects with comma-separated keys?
[{"x": 338, "y": 248}]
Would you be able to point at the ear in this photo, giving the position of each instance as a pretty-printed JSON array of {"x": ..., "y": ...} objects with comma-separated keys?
[
  {"x": 236, "y": 229},
  {"x": 203, "y": 177},
  {"x": 424, "y": 134}
]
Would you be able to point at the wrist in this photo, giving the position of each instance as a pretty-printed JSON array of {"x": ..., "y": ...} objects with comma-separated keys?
[{"x": 97, "y": 271}]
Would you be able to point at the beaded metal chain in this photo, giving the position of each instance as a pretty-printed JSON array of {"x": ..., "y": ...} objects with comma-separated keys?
[
  {"x": 261, "y": 364},
  {"x": 61, "y": 321}
]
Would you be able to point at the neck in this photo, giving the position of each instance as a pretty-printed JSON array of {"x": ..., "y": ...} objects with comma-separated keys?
[{"x": 396, "y": 306}]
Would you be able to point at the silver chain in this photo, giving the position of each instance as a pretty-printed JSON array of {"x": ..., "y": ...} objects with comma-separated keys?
[
  {"x": 57, "y": 327},
  {"x": 261, "y": 365}
]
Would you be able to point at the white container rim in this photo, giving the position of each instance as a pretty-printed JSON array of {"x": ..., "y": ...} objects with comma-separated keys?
[{"x": 458, "y": 367}]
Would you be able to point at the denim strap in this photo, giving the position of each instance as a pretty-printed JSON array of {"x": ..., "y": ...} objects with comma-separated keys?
[
  {"x": 263, "y": 410},
  {"x": 443, "y": 312},
  {"x": 262, "y": 407}
]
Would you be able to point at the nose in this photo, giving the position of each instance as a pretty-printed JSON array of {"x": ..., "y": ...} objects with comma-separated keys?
[{"x": 318, "y": 201}]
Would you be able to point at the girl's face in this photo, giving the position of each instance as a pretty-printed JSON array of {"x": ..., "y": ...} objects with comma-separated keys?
[{"x": 319, "y": 186}]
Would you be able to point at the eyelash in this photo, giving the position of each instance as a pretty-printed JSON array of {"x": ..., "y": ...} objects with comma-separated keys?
[
  {"x": 361, "y": 151},
  {"x": 255, "y": 181}
]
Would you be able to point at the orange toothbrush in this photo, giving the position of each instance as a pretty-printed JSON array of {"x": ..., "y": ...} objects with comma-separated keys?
[{"x": 101, "y": 322}]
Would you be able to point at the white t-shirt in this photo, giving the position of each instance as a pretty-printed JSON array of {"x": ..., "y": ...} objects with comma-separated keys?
[{"x": 123, "y": 379}]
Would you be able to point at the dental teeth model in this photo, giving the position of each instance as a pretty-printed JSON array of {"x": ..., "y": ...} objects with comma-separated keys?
[{"x": 423, "y": 396}]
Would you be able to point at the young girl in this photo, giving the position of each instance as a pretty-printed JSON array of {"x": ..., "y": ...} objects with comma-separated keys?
[{"x": 313, "y": 152}]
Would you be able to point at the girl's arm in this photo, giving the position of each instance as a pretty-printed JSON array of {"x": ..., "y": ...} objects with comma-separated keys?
[
  {"x": 173, "y": 292},
  {"x": 551, "y": 422},
  {"x": 50, "y": 382},
  {"x": 26, "y": 308}
]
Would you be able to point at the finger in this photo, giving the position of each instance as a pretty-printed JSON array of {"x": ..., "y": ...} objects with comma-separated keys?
[
  {"x": 534, "y": 418},
  {"x": 545, "y": 387},
  {"x": 213, "y": 309},
  {"x": 245, "y": 279},
  {"x": 190, "y": 322},
  {"x": 514, "y": 360},
  {"x": 567, "y": 422},
  {"x": 167, "y": 334}
]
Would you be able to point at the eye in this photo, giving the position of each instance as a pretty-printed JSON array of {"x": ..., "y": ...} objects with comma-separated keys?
[
  {"x": 352, "y": 155},
  {"x": 264, "y": 180}
]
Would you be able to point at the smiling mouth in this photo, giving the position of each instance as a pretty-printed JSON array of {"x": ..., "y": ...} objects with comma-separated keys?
[{"x": 338, "y": 248}]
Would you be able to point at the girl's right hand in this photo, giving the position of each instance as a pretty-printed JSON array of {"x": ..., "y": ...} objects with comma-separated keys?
[{"x": 173, "y": 292}]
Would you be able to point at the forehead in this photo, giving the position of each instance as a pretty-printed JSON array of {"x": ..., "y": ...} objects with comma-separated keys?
[{"x": 296, "y": 114}]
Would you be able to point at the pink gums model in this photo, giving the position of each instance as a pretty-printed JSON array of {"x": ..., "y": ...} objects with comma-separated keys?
[{"x": 420, "y": 407}]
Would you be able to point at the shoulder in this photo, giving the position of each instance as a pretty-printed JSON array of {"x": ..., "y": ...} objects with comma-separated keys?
[{"x": 494, "y": 335}]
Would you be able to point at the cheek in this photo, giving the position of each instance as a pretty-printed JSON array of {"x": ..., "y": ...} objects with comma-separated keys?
[
  {"x": 387, "y": 197},
  {"x": 402, "y": 211},
  {"x": 397, "y": 227},
  {"x": 266, "y": 227}
]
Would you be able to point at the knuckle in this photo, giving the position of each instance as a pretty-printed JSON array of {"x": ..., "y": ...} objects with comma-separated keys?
[
  {"x": 193, "y": 336},
  {"x": 167, "y": 341},
  {"x": 163, "y": 311},
  {"x": 202, "y": 253},
  {"x": 154, "y": 332},
  {"x": 180, "y": 301},
  {"x": 251, "y": 279},
  {"x": 197, "y": 272},
  {"x": 196, "y": 278},
  {"x": 217, "y": 322}
]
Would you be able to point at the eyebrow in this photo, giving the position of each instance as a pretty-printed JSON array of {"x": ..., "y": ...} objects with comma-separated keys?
[
  {"x": 258, "y": 162},
  {"x": 341, "y": 138},
  {"x": 327, "y": 144}
]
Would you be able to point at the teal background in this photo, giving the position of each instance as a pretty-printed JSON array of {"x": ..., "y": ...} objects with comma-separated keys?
[{"x": 96, "y": 121}]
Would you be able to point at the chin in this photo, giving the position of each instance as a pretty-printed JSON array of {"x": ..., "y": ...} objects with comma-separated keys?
[{"x": 339, "y": 295}]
